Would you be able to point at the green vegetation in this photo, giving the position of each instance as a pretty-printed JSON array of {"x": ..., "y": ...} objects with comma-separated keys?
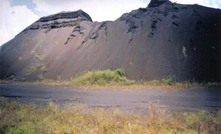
[
  {"x": 106, "y": 77},
  {"x": 117, "y": 78},
  {"x": 112, "y": 79},
  {"x": 169, "y": 80},
  {"x": 30, "y": 119},
  {"x": 3, "y": 82}
]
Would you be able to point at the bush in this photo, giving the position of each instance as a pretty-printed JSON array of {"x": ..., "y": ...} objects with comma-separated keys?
[
  {"x": 19, "y": 130},
  {"x": 104, "y": 77},
  {"x": 169, "y": 80},
  {"x": 153, "y": 83},
  {"x": 120, "y": 72}
]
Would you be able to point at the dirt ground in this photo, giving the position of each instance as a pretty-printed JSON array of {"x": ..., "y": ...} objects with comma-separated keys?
[{"x": 133, "y": 101}]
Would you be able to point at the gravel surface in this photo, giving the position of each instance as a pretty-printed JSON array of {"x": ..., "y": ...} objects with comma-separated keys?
[{"x": 135, "y": 101}]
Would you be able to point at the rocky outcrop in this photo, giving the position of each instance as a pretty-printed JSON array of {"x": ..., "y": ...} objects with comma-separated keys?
[
  {"x": 155, "y": 3},
  {"x": 149, "y": 43},
  {"x": 67, "y": 15},
  {"x": 63, "y": 19}
]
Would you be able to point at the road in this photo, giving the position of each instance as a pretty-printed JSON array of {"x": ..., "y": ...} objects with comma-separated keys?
[{"x": 135, "y": 101}]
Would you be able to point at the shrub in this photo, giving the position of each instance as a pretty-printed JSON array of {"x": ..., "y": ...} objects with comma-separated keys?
[
  {"x": 19, "y": 130},
  {"x": 153, "y": 83},
  {"x": 169, "y": 80},
  {"x": 120, "y": 72},
  {"x": 104, "y": 77}
]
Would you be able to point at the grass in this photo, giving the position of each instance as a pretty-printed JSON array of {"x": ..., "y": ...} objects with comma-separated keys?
[
  {"x": 3, "y": 82},
  {"x": 101, "y": 78},
  {"x": 52, "y": 119},
  {"x": 117, "y": 79}
]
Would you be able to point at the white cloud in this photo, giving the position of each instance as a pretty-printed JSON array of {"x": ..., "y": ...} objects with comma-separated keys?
[
  {"x": 99, "y": 10},
  {"x": 209, "y": 3},
  {"x": 13, "y": 20}
]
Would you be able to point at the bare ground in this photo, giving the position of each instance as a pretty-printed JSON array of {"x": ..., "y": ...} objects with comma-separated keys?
[{"x": 132, "y": 101}]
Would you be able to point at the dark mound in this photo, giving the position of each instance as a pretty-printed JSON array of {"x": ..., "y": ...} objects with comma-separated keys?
[
  {"x": 154, "y": 3},
  {"x": 149, "y": 43}
]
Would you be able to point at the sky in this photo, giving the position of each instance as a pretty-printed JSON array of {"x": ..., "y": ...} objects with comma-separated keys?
[{"x": 16, "y": 15}]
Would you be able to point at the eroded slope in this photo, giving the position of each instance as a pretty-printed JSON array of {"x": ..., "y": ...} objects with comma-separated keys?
[{"x": 149, "y": 43}]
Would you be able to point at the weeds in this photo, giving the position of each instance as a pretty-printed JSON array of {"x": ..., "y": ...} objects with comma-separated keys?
[
  {"x": 114, "y": 79},
  {"x": 169, "y": 80},
  {"x": 106, "y": 77},
  {"x": 118, "y": 78},
  {"x": 3, "y": 82},
  {"x": 21, "y": 119}
]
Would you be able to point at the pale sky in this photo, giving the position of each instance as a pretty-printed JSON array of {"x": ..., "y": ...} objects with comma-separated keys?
[{"x": 16, "y": 15}]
